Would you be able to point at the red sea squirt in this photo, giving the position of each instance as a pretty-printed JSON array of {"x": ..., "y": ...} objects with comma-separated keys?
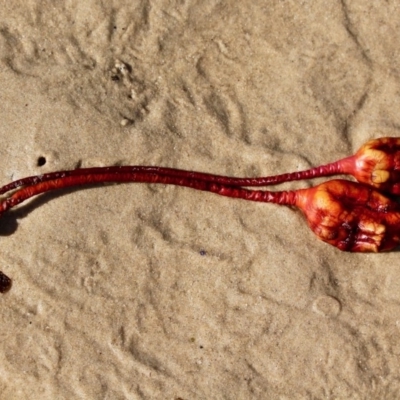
[{"x": 348, "y": 215}]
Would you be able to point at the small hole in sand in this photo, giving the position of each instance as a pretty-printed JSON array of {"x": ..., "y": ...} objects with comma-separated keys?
[{"x": 41, "y": 161}]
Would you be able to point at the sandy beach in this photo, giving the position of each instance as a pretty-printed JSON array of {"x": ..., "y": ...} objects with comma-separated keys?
[{"x": 140, "y": 291}]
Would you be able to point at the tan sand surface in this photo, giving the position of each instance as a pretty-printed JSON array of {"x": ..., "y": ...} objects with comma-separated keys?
[{"x": 139, "y": 291}]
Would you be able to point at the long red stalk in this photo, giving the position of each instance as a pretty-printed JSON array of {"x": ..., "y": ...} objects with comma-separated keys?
[
  {"x": 377, "y": 163},
  {"x": 329, "y": 169}
]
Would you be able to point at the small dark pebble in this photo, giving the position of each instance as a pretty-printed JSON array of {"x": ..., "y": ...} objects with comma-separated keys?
[
  {"x": 203, "y": 252},
  {"x": 5, "y": 283}
]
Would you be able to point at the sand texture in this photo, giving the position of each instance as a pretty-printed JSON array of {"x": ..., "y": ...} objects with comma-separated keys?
[{"x": 141, "y": 291}]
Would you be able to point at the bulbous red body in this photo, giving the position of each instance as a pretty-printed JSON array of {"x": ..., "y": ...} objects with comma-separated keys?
[
  {"x": 377, "y": 163},
  {"x": 351, "y": 216}
]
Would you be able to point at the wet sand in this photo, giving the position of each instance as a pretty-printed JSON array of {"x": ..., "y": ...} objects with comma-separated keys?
[{"x": 139, "y": 291}]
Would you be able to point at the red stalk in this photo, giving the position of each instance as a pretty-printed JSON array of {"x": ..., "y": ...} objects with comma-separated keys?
[
  {"x": 329, "y": 169},
  {"x": 377, "y": 164}
]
